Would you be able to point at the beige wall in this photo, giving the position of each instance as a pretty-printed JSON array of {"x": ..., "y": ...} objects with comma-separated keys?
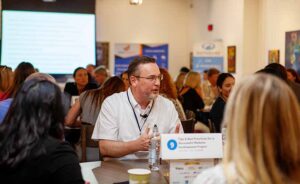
[
  {"x": 278, "y": 17},
  {"x": 155, "y": 21},
  {"x": 254, "y": 26}
]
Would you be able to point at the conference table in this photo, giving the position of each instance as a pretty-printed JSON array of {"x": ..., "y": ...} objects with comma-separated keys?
[{"x": 115, "y": 171}]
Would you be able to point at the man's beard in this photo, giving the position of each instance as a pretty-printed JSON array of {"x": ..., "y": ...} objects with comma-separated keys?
[{"x": 152, "y": 96}]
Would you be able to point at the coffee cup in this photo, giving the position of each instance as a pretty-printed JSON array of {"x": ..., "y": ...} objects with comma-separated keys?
[{"x": 139, "y": 176}]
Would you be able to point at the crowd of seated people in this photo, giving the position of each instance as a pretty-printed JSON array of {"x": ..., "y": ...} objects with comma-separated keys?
[{"x": 124, "y": 110}]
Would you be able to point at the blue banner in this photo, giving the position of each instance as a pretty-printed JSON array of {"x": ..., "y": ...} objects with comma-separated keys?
[
  {"x": 204, "y": 63},
  {"x": 159, "y": 52},
  {"x": 125, "y": 53}
]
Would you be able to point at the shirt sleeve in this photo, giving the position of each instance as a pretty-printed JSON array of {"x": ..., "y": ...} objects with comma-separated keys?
[{"x": 106, "y": 125}]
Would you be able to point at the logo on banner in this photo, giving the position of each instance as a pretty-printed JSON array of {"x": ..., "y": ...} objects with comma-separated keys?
[
  {"x": 172, "y": 144},
  {"x": 208, "y": 46}
]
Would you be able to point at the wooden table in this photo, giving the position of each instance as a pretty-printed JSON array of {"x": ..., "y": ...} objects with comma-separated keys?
[{"x": 114, "y": 171}]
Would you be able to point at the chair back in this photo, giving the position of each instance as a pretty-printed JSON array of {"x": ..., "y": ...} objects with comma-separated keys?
[
  {"x": 86, "y": 141},
  {"x": 188, "y": 125},
  {"x": 190, "y": 114}
]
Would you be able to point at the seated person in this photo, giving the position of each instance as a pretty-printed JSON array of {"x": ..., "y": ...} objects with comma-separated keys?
[
  {"x": 100, "y": 74},
  {"x": 209, "y": 86},
  {"x": 125, "y": 118},
  {"x": 90, "y": 102},
  {"x": 225, "y": 83},
  {"x": 191, "y": 95},
  {"x": 262, "y": 145},
  {"x": 6, "y": 76},
  {"x": 124, "y": 77},
  {"x": 168, "y": 90},
  {"x": 31, "y": 148},
  {"x": 81, "y": 83},
  {"x": 90, "y": 69}
]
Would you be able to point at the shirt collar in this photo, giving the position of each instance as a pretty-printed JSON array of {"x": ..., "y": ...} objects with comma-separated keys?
[{"x": 134, "y": 103}]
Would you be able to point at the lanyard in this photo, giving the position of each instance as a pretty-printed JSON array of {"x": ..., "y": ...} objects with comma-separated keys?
[{"x": 136, "y": 119}]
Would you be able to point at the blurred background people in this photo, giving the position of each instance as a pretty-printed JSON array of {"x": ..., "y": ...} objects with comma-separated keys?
[
  {"x": 180, "y": 78},
  {"x": 6, "y": 79},
  {"x": 23, "y": 70},
  {"x": 179, "y": 81},
  {"x": 31, "y": 147},
  {"x": 90, "y": 69},
  {"x": 168, "y": 90},
  {"x": 292, "y": 75},
  {"x": 205, "y": 76},
  {"x": 225, "y": 83},
  {"x": 209, "y": 87},
  {"x": 124, "y": 77},
  {"x": 191, "y": 94},
  {"x": 81, "y": 83},
  {"x": 90, "y": 102},
  {"x": 278, "y": 70},
  {"x": 184, "y": 70},
  {"x": 101, "y": 74},
  {"x": 262, "y": 145}
]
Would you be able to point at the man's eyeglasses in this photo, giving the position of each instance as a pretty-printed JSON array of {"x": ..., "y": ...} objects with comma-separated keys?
[{"x": 152, "y": 78}]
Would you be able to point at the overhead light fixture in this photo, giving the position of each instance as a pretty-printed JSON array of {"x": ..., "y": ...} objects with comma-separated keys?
[
  {"x": 49, "y": 1},
  {"x": 135, "y": 2}
]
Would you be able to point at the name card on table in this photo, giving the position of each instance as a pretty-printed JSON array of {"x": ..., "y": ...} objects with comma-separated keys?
[
  {"x": 185, "y": 171},
  {"x": 191, "y": 146}
]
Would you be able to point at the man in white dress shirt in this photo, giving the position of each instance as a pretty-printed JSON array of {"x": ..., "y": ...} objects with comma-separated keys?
[{"x": 126, "y": 119}]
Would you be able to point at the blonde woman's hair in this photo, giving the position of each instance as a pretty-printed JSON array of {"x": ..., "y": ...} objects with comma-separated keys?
[
  {"x": 263, "y": 126},
  {"x": 6, "y": 78},
  {"x": 192, "y": 79}
]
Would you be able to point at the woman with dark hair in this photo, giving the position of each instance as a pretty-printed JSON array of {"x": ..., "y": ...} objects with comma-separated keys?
[
  {"x": 225, "y": 83},
  {"x": 89, "y": 103},
  {"x": 31, "y": 147},
  {"x": 81, "y": 83},
  {"x": 292, "y": 75},
  {"x": 168, "y": 90},
  {"x": 23, "y": 70}
]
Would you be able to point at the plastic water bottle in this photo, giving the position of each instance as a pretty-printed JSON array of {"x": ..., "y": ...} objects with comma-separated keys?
[{"x": 154, "y": 150}]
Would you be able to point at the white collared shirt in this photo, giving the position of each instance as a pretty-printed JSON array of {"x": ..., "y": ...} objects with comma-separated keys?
[{"x": 116, "y": 120}]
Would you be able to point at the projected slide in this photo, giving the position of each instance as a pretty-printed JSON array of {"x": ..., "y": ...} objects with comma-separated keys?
[{"x": 55, "y": 43}]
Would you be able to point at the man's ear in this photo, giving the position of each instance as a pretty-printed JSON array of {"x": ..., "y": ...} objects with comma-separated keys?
[{"x": 132, "y": 80}]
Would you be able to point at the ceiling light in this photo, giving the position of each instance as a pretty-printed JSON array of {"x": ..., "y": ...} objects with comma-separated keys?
[{"x": 135, "y": 2}]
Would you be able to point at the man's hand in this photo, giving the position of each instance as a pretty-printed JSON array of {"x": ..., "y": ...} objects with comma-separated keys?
[{"x": 143, "y": 141}]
